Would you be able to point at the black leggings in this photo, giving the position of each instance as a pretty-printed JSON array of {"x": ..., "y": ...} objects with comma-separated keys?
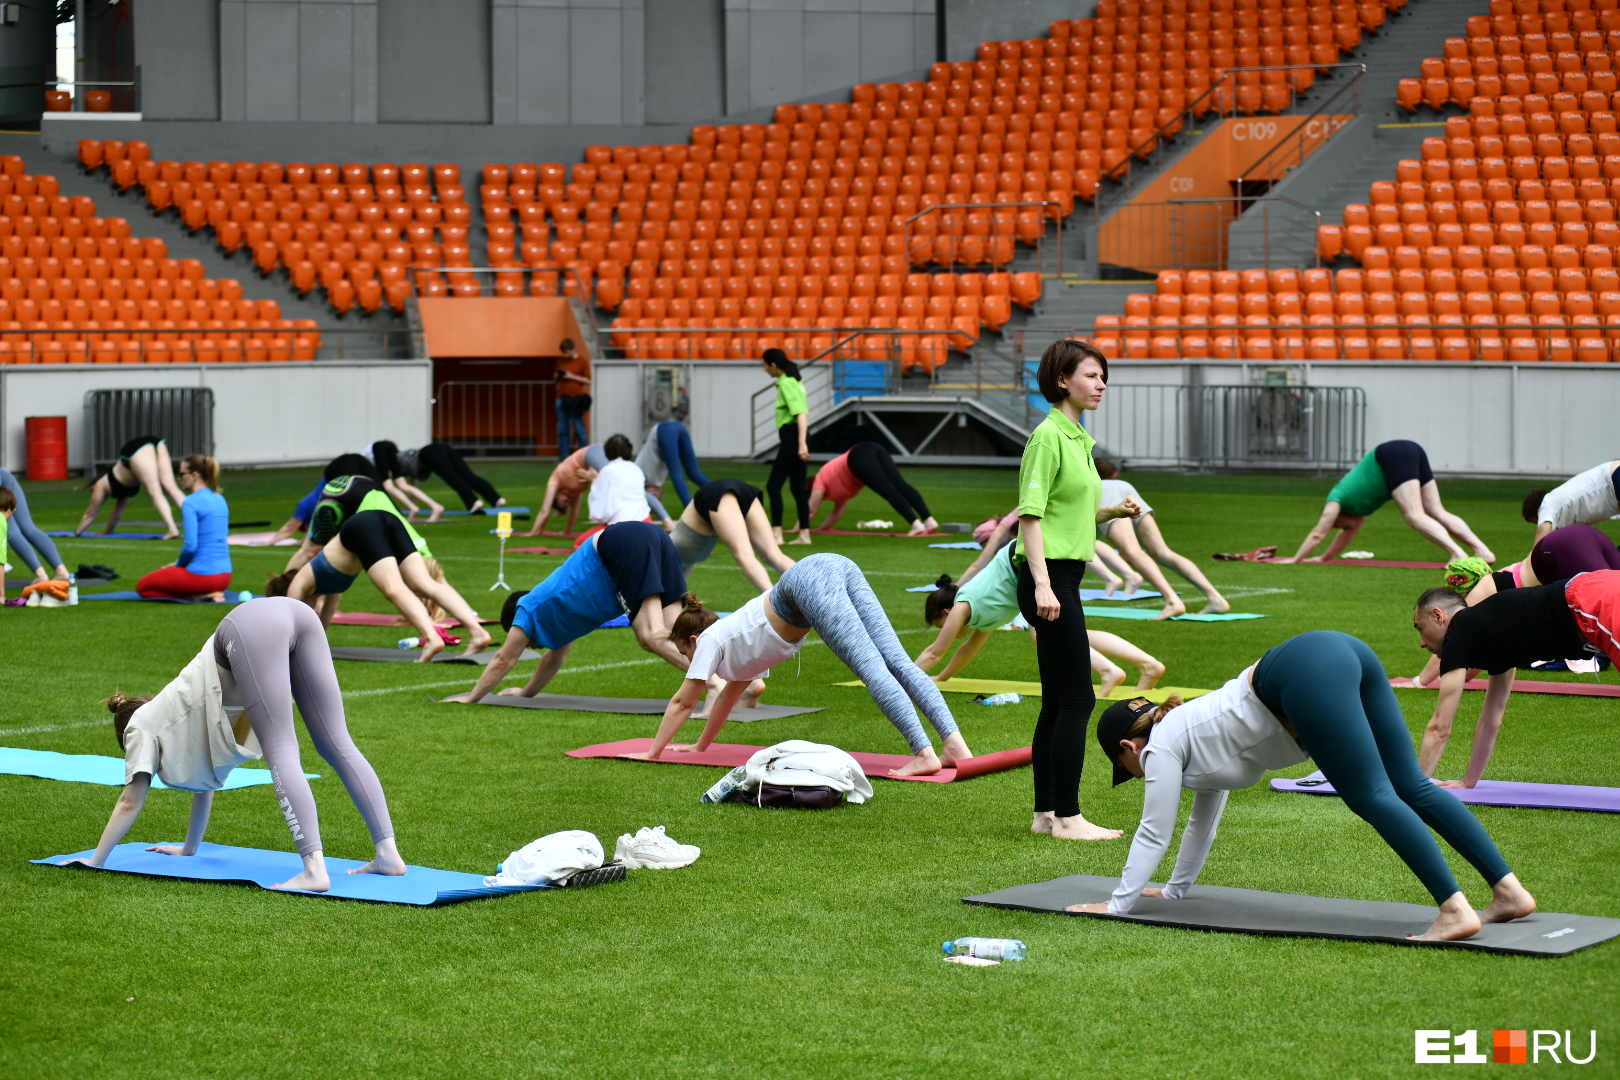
[
  {"x": 442, "y": 460},
  {"x": 1058, "y": 749},
  {"x": 873, "y": 467},
  {"x": 788, "y": 467}
]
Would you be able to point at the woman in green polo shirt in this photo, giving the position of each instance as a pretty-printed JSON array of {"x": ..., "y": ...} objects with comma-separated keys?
[
  {"x": 793, "y": 428},
  {"x": 1058, "y": 515},
  {"x": 1398, "y": 470}
]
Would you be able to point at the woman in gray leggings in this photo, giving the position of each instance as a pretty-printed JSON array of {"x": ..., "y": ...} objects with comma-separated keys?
[
  {"x": 828, "y": 594},
  {"x": 232, "y": 703},
  {"x": 25, "y": 537}
]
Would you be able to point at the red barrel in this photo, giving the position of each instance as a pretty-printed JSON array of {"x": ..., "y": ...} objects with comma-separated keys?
[{"x": 47, "y": 448}]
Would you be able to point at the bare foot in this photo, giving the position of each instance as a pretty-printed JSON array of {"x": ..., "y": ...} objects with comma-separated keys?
[
  {"x": 1078, "y": 828},
  {"x": 776, "y": 533},
  {"x": 215, "y": 598},
  {"x": 1132, "y": 583},
  {"x": 1509, "y": 900},
  {"x": 166, "y": 536},
  {"x": 802, "y": 538},
  {"x": 477, "y": 507},
  {"x": 930, "y": 524},
  {"x": 954, "y": 749},
  {"x": 389, "y": 865},
  {"x": 1152, "y": 672},
  {"x": 750, "y": 697},
  {"x": 1111, "y": 586},
  {"x": 431, "y": 647},
  {"x": 1171, "y": 609},
  {"x": 313, "y": 877},
  {"x": 1456, "y": 921},
  {"x": 917, "y": 529},
  {"x": 1218, "y": 605},
  {"x": 1041, "y": 823},
  {"x": 1110, "y": 680},
  {"x": 478, "y": 640},
  {"x": 923, "y": 763},
  {"x": 438, "y": 512},
  {"x": 500, "y": 501}
]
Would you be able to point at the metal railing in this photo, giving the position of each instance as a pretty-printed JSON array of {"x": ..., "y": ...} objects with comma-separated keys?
[
  {"x": 512, "y": 418},
  {"x": 1560, "y": 341},
  {"x": 130, "y": 103},
  {"x": 182, "y": 415},
  {"x": 501, "y": 281},
  {"x": 1317, "y": 428},
  {"x": 1315, "y": 128},
  {"x": 1003, "y": 214}
]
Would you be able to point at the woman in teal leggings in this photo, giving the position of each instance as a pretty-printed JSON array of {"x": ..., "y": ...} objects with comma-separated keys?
[{"x": 1321, "y": 695}]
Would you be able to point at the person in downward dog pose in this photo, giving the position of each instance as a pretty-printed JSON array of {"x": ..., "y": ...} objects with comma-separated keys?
[
  {"x": 867, "y": 464},
  {"x": 350, "y": 464},
  {"x": 828, "y": 594},
  {"x": 143, "y": 463},
  {"x": 729, "y": 511},
  {"x": 232, "y": 703},
  {"x": 1142, "y": 544},
  {"x": 567, "y": 485},
  {"x": 36, "y": 550},
  {"x": 1325, "y": 691},
  {"x": 666, "y": 453}
]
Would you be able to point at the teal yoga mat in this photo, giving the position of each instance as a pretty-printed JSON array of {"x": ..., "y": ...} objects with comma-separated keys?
[
  {"x": 99, "y": 769},
  {"x": 231, "y": 597},
  {"x": 1147, "y": 614}
]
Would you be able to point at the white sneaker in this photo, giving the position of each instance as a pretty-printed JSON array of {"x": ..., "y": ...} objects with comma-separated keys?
[{"x": 652, "y": 849}]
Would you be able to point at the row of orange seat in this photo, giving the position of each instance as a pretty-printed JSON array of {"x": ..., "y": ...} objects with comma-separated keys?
[
  {"x": 1192, "y": 284},
  {"x": 1560, "y": 344},
  {"x": 924, "y": 346},
  {"x": 1144, "y": 9},
  {"x": 1354, "y": 306},
  {"x": 169, "y": 343},
  {"x": 94, "y": 153}
]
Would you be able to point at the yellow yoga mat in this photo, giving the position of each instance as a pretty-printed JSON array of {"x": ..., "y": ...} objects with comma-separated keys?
[{"x": 1033, "y": 689}]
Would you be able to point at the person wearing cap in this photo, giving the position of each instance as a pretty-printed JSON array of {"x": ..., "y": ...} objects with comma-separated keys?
[{"x": 1321, "y": 695}]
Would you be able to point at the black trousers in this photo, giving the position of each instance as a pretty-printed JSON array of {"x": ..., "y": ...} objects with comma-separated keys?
[
  {"x": 442, "y": 460},
  {"x": 1058, "y": 749},
  {"x": 788, "y": 468},
  {"x": 873, "y": 467}
]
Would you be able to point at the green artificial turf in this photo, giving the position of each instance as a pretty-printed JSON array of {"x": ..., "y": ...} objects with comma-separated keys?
[{"x": 799, "y": 944}]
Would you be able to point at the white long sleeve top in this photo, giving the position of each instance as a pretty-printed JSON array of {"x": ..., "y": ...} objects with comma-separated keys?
[
  {"x": 1215, "y": 744},
  {"x": 618, "y": 493}
]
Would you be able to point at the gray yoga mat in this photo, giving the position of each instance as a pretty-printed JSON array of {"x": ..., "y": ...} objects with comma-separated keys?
[
  {"x": 636, "y": 706},
  {"x": 451, "y": 655},
  {"x": 1250, "y": 911}
]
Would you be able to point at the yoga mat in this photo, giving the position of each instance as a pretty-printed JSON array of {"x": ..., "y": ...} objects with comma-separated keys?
[
  {"x": 1146, "y": 615},
  {"x": 378, "y": 618},
  {"x": 1033, "y": 689},
  {"x": 131, "y": 594},
  {"x": 635, "y": 706},
  {"x": 419, "y": 885},
  {"x": 960, "y": 545},
  {"x": 108, "y": 536},
  {"x": 1396, "y": 564},
  {"x": 515, "y": 511},
  {"x": 1088, "y": 595},
  {"x": 1531, "y": 686},
  {"x": 539, "y": 551},
  {"x": 877, "y": 766},
  {"x": 257, "y": 539},
  {"x": 879, "y": 532},
  {"x": 408, "y": 656},
  {"x": 99, "y": 769},
  {"x": 1251, "y": 911},
  {"x": 1496, "y": 793}
]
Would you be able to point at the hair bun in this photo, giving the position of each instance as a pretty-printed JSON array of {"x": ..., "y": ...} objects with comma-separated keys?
[
  {"x": 690, "y": 602},
  {"x": 943, "y": 581}
]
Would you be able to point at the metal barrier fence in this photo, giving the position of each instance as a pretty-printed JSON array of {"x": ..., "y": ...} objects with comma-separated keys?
[
  {"x": 182, "y": 416},
  {"x": 511, "y": 418},
  {"x": 1318, "y": 428}
]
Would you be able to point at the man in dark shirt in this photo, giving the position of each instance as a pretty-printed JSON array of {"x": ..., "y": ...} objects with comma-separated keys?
[{"x": 1501, "y": 633}]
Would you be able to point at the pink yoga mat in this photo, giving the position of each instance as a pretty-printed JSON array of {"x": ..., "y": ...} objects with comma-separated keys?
[
  {"x": 257, "y": 539},
  {"x": 1536, "y": 686},
  {"x": 877, "y": 766},
  {"x": 1397, "y": 564},
  {"x": 878, "y": 532},
  {"x": 540, "y": 551}
]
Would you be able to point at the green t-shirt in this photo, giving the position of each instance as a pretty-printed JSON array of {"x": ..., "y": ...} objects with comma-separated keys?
[
  {"x": 790, "y": 399},
  {"x": 992, "y": 595},
  {"x": 1363, "y": 489},
  {"x": 1058, "y": 483}
]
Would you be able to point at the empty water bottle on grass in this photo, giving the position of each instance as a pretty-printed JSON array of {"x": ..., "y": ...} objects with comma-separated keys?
[
  {"x": 408, "y": 643},
  {"x": 998, "y": 699},
  {"x": 726, "y": 785},
  {"x": 987, "y": 948}
]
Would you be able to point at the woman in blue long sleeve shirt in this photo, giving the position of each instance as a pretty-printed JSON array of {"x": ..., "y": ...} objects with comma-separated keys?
[{"x": 203, "y": 570}]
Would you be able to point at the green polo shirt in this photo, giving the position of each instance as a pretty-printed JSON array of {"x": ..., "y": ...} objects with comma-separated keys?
[
  {"x": 1363, "y": 489},
  {"x": 790, "y": 399},
  {"x": 1058, "y": 483}
]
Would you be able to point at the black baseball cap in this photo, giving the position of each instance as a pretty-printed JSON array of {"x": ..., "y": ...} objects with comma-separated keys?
[{"x": 1114, "y": 725}]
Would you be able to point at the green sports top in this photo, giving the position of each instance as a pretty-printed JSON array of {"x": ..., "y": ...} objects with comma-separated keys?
[
  {"x": 345, "y": 496},
  {"x": 1058, "y": 483},
  {"x": 790, "y": 399},
  {"x": 1363, "y": 489}
]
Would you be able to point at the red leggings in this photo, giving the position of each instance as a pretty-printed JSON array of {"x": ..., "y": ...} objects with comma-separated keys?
[{"x": 178, "y": 583}]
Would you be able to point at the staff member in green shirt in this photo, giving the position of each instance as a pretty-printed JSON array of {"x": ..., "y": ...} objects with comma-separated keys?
[
  {"x": 1058, "y": 515},
  {"x": 1399, "y": 470},
  {"x": 793, "y": 428}
]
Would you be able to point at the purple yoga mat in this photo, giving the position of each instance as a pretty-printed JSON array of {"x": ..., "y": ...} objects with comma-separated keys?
[{"x": 1496, "y": 793}]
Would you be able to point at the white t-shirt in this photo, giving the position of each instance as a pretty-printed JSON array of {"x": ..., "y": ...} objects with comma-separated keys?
[
  {"x": 743, "y": 645},
  {"x": 1117, "y": 491},
  {"x": 1220, "y": 742},
  {"x": 618, "y": 493},
  {"x": 184, "y": 735},
  {"x": 1584, "y": 499}
]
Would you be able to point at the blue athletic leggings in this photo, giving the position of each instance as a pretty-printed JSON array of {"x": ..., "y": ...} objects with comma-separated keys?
[
  {"x": 1334, "y": 691},
  {"x": 828, "y": 593},
  {"x": 675, "y": 447},
  {"x": 22, "y": 534}
]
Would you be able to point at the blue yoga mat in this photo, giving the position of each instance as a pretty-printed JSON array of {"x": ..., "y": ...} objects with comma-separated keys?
[
  {"x": 419, "y": 885},
  {"x": 231, "y": 597},
  {"x": 99, "y": 769},
  {"x": 515, "y": 511},
  {"x": 109, "y": 536},
  {"x": 964, "y": 545},
  {"x": 1145, "y": 614}
]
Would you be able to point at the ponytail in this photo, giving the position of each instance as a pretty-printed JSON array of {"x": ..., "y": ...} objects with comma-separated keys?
[
  {"x": 779, "y": 360},
  {"x": 1144, "y": 724},
  {"x": 692, "y": 621},
  {"x": 123, "y": 707},
  {"x": 206, "y": 468},
  {"x": 941, "y": 600}
]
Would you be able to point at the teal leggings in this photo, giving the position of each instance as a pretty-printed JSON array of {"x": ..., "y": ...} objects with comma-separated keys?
[{"x": 1334, "y": 691}]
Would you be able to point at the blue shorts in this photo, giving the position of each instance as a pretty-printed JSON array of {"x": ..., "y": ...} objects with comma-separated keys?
[{"x": 329, "y": 580}]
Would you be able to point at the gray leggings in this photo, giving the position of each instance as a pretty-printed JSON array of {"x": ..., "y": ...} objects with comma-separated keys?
[
  {"x": 828, "y": 593},
  {"x": 21, "y": 532},
  {"x": 275, "y": 644}
]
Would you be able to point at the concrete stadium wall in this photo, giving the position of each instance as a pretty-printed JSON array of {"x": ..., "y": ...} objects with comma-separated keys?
[{"x": 264, "y": 414}]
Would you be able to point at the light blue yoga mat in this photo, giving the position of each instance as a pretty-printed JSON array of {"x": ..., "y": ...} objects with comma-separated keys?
[
  {"x": 99, "y": 769},
  {"x": 419, "y": 885},
  {"x": 1089, "y": 595},
  {"x": 962, "y": 545},
  {"x": 515, "y": 511},
  {"x": 108, "y": 536},
  {"x": 231, "y": 597},
  {"x": 1147, "y": 614}
]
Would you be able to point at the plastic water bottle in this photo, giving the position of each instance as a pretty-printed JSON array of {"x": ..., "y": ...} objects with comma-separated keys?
[
  {"x": 726, "y": 785},
  {"x": 998, "y": 699},
  {"x": 408, "y": 643},
  {"x": 987, "y": 948},
  {"x": 73, "y": 589}
]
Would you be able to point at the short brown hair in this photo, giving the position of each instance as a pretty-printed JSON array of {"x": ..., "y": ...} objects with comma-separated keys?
[
  {"x": 1060, "y": 360},
  {"x": 8, "y": 501}
]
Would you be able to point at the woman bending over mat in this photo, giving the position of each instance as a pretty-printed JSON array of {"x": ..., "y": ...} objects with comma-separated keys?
[
  {"x": 1058, "y": 515},
  {"x": 828, "y": 594},
  {"x": 1143, "y": 545},
  {"x": 626, "y": 569},
  {"x": 36, "y": 550},
  {"x": 666, "y": 453},
  {"x": 1398, "y": 470},
  {"x": 729, "y": 511},
  {"x": 1586, "y": 498},
  {"x": 342, "y": 465},
  {"x": 793, "y": 446},
  {"x": 375, "y": 541},
  {"x": 340, "y": 499},
  {"x": 143, "y": 463},
  {"x": 969, "y": 612},
  {"x": 405, "y": 467},
  {"x": 567, "y": 485},
  {"x": 619, "y": 492},
  {"x": 203, "y": 570},
  {"x": 1324, "y": 696},
  {"x": 866, "y": 464},
  {"x": 234, "y": 702}
]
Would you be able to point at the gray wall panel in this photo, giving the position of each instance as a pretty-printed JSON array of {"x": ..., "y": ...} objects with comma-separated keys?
[
  {"x": 542, "y": 66},
  {"x": 177, "y": 47},
  {"x": 831, "y": 57},
  {"x": 433, "y": 61},
  {"x": 594, "y": 92},
  {"x": 885, "y": 45},
  {"x": 232, "y": 44},
  {"x": 776, "y": 60},
  {"x": 363, "y": 71},
  {"x": 270, "y": 61},
  {"x": 684, "y": 61},
  {"x": 968, "y": 22},
  {"x": 325, "y": 62}
]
